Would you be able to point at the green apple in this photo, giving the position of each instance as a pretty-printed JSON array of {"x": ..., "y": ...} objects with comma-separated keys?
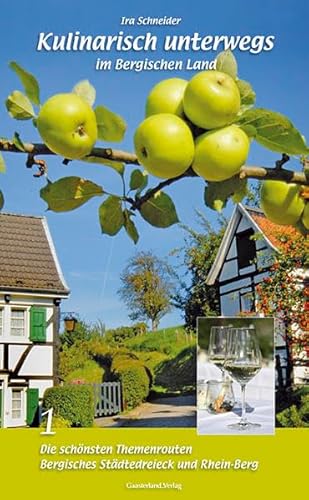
[
  {"x": 67, "y": 125},
  {"x": 164, "y": 145},
  {"x": 281, "y": 202},
  {"x": 305, "y": 217},
  {"x": 211, "y": 99},
  {"x": 220, "y": 153},
  {"x": 166, "y": 97}
]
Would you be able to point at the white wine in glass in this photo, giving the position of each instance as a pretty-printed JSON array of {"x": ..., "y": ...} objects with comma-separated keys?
[{"x": 242, "y": 362}]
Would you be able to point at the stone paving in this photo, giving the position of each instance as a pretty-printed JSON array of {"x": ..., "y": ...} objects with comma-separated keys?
[{"x": 176, "y": 411}]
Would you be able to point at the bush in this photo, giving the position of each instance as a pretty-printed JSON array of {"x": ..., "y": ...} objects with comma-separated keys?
[
  {"x": 152, "y": 359},
  {"x": 140, "y": 328},
  {"x": 72, "y": 358},
  {"x": 98, "y": 347},
  {"x": 74, "y": 403},
  {"x": 295, "y": 415},
  {"x": 168, "y": 341},
  {"x": 120, "y": 335},
  {"x": 83, "y": 332},
  {"x": 90, "y": 373},
  {"x": 57, "y": 423},
  {"x": 134, "y": 380},
  {"x": 179, "y": 373},
  {"x": 122, "y": 355}
]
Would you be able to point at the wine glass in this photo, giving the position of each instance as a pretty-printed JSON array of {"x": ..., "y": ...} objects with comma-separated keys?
[
  {"x": 217, "y": 346},
  {"x": 242, "y": 362}
]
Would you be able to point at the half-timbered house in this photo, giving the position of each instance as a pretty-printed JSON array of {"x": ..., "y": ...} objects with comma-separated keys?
[
  {"x": 242, "y": 262},
  {"x": 31, "y": 288}
]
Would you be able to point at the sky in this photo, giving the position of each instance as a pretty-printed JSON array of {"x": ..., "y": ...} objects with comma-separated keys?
[{"x": 92, "y": 262}]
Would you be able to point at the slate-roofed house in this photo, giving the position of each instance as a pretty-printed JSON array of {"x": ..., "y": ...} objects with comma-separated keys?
[
  {"x": 241, "y": 263},
  {"x": 31, "y": 289}
]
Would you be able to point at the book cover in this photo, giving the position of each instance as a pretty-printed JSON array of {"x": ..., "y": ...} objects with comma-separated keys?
[{"x": 153, "y": 248}]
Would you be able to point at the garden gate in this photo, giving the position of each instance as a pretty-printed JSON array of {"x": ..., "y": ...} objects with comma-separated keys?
[{"x": 107, "y": 398}]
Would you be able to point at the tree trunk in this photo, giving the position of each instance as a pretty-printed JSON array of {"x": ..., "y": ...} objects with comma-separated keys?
[{"x": 154, "y": 324}]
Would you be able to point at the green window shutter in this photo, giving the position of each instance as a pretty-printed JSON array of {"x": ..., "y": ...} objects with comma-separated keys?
[
  {"x": 1, "y": 398},
  {"x": 32, "y": 404},
  {"x": 38, "y": 324}
]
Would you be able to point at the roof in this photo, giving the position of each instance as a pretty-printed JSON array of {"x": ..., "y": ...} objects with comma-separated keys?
[
  {"x": 261, "y": 224},
  {"x": 272, "y": 231},
  {"x": 28, "y": 260}
]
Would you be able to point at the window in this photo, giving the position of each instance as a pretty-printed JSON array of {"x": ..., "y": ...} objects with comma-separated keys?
[
  {"x": 247, "y": 300},
  {"x": 16, "y": 403},
  {"x": 1, "y": 322},
  {"x": 230, "y": 304},
  {"x": 246, "y": 249},
  {"x": 18, "y": 322}
]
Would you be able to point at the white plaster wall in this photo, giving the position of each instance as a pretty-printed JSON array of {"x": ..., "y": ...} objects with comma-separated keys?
[
  {"x": 15, "y": 352},
  {"x": 38, "y": 362},
  {"x": 42, "y": 385}
]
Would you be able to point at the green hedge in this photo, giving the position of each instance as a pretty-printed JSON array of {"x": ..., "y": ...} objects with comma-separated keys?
[
  {"x": 179, "y": 373},
  {"x": 120, "y": 335},
  {"x": 134, "y": 380},
  {"x": 297, "y": 413},
  {"x": 152, "y": 359},
  {"x": 71, "y": 402},
  {"x": 57, "y": 423},
  {"x": 90, "y": 373},
  {"x": 74, "y": 357}
]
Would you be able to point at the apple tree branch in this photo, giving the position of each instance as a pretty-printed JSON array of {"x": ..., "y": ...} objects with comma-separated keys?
[{"x": 247, "y": 171}]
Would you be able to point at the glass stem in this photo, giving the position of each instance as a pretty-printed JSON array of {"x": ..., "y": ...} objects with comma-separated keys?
[
  {"x": 225, "y": 377},
  {"x": 243, "y": 419}
]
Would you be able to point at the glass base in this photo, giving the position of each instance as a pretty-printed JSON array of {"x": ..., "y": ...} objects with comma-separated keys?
[{"x": 244, "y": 426}]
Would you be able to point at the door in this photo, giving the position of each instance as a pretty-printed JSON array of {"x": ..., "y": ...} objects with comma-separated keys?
[{"x": 17, "y": 408}]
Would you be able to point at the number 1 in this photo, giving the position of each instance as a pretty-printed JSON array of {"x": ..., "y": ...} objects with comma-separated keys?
[{"x": 48, "y": 431}]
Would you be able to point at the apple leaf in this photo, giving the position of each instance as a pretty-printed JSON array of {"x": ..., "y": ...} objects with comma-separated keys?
[
  {"x": 29, "y": 83},
  {"x": 1, "y": 200},
  {"x": 159, "y": 210},
  {"x": 247, "y": 94},
  {"x": 138, "y": 180},
  {"x": 2, "y": 165},
  {"x": 143, "y": 185},
  {"x": 241, "y": 192},
  {"x": 18, "y": 142},
  {"x": 86, "y": 91},
  {"x": 217, "y": 194},
  {"x": 227, "y": 63},
  {"x": 274, "y": 131},
  {"x": 19, "y": 106},
  {"x": 111, "y": 127},
  {"x": 130, "y": 227},
  {"x": 116, "y": 165},
  {"x": 249, "y": 130},
  {"x": 69, "y": 193},
  {"x": 111, "y": 216}
]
